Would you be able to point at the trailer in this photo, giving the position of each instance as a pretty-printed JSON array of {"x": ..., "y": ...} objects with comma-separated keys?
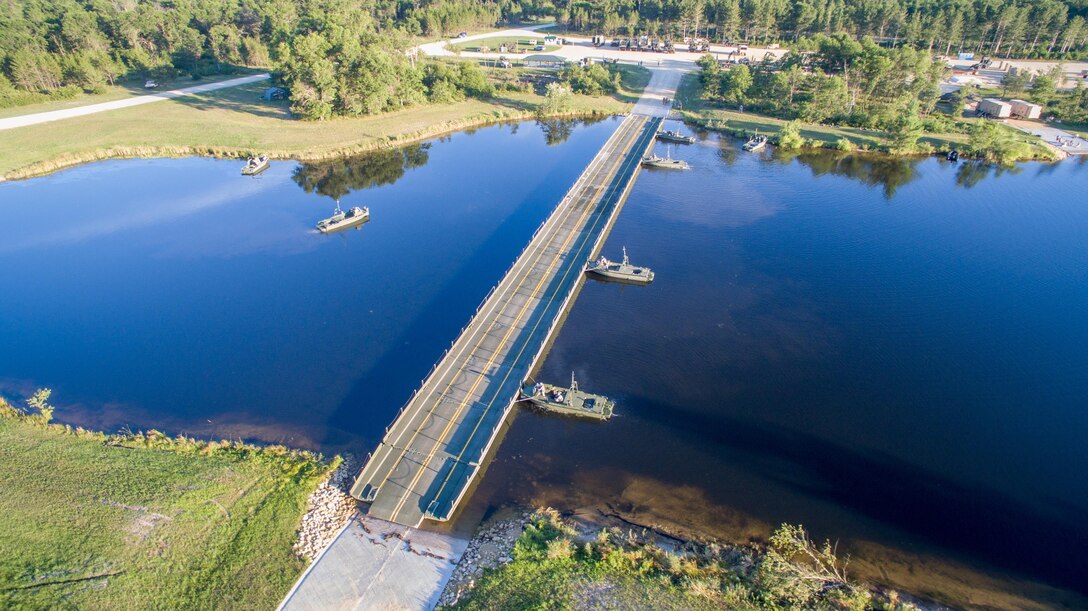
[
  {"x": 1025, "y": 110},
  {"x": 993, "y": 107}
]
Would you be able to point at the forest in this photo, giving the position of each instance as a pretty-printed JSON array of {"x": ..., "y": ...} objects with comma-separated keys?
[{"x": 344, "y": 57}]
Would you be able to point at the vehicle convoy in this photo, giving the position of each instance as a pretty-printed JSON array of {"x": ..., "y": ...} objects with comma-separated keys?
[
  {"x": 342, "y": 220},
  {"x": 568, "y": 401},
  {"x": 623, "y": 271},
  {"x": 255, "y": 165}
]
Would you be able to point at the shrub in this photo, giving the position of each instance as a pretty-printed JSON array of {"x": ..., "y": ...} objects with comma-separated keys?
[{"x": 789, "y": 138}]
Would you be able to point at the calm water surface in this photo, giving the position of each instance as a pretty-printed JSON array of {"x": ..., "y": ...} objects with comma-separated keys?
[
  {"x": 178, "y": 294},
  {"x": 890, "y": 352}
]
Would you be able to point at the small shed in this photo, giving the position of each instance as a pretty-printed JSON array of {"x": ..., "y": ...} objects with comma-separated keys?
[
  {"x": 993, "y": 107},
  {"x": 544, "y": 61},
  {"x": 1026, "y": 110}
]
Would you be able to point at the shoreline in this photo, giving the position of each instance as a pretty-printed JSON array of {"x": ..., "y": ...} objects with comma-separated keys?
[{"x": 64, "y": 162}]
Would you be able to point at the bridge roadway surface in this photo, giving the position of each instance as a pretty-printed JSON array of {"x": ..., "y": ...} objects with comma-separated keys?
[{"x": 433, "y": 450}]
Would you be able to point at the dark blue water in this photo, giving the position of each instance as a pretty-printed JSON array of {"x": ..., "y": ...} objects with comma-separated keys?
[
  {"x": 888, "y": 351},
  {"x": 891, "y": 352},
  {"x": 178, "y": 294}
]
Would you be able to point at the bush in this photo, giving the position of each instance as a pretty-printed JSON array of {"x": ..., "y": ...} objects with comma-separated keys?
[
  {"x": 844, "y": 145},
  {"x": 790, "y": 139}
]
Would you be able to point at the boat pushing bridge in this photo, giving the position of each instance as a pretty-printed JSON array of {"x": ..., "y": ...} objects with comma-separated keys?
[{"x": 433, "y": 450}]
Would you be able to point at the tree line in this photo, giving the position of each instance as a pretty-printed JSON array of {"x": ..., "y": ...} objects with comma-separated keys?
[
  {"x": 1035, "y": 28},
  {"x": 59, "y": 48}
]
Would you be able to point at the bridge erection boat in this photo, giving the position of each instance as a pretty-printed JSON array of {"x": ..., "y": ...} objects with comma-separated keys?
[
  {"x": 621, "y": 272},
  {"x": 342, "y": 220},
  {"x": 675, "y": 136},
  {"x": 664, "y": 163},
  {"x": 568, "y": 401},
  {"x": 255, "y": 165}
]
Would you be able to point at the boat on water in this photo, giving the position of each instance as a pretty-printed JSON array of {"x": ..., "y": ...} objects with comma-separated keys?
[
  {"x": 953, "y": 155},
  {"x": 342, "y": 220},
  {"x": 569, "y": 401},
  {"x": 622, "y": 272},
  {"x": 665, "y": 163},
  {"x": 675, "y": 136},
  {"x": 755, "y": 143},
  {"x": 255, "y": 165}
]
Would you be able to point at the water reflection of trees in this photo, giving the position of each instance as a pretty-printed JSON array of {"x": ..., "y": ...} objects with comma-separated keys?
[
  {"x": 337, "y": 177},
  {"x": 971, "y": 173},
  {"x": 885, "y": 171},
  {"x": 557, "y": 131}
]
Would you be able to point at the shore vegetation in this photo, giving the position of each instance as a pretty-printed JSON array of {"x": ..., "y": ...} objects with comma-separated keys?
[
  {"x": 143, "y": 520},
  {"x": 237, "y": 122},
  {"x": 556, "y": 565}
]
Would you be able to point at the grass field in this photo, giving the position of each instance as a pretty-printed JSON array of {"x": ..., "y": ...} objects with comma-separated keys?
[
  {"x": 120, "y": 92},
  {"x": 523, "y": 44},
  {"x": 744, "y": 123},
  {"x": 98, "y": 523},
  {"x": 236, "y": 122}
]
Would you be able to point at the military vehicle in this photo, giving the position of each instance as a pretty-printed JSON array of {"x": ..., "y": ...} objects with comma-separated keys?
[
  {"x": 664, "y": 163},
  {"x": 255, "y": 165},
  {"x": 342, "y": 220},
  {"x": 755, "y": 143},
  {"x": 675, "y": 136},
  {"x": 569, "y": 401},
  {"x": 623, "y": 272}
]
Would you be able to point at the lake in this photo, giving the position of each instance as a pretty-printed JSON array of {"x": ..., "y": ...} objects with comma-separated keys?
[{"x": 889, "y": 351}]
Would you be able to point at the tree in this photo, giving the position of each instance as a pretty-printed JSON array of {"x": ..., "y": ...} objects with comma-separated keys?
[
  {"x": 789, "y": 138},
  {"x": 1045, "y": 85},
  {"x": 736, "y": 83},
  {"x": 1015, "y": 82},
  {"x": 908, "y": 129},
  {"x": 557, "y": 99},
  {"x": 39, "y": 402},
  {"x": 997, "y": 143},
  {"x": 796, "y": 572}
]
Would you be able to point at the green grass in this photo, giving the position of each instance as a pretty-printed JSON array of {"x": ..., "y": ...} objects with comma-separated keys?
[
  {"x": 120, "y": 92},
  {"x": 492, "y": 43},
  {"x": 88, "y": 522},
  {"x": 236, "y": 122}
]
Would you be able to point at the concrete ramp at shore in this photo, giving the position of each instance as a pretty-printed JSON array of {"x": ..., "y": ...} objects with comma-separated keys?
[{"x": 374, "y": 564}]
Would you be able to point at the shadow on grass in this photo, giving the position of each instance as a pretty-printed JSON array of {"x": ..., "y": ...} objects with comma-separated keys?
[{"x": 244, "y": 99}]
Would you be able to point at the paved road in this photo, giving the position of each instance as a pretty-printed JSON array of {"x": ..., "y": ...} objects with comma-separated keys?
[
  {"x": 90, "y": 109},
  {"x": 433, "y": 450},
  {"x": 1070, "y": 143},
  {"x": 582, "y": 48}
]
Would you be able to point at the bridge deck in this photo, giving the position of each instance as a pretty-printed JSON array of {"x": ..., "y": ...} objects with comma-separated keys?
[{"x": 430, "y": 454}]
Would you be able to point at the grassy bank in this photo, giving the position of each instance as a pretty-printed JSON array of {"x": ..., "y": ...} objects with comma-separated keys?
[
  {"x": 698, "y": 112},
  {"x": 557, "y": 565},
  {"x": 236, "y": 122},
  {"x": 144, "y": 521}
]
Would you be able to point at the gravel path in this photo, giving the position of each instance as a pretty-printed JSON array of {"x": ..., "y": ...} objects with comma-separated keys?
[{"x": 90, "y": 109}]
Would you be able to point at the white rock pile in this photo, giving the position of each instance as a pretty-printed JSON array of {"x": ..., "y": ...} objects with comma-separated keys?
[
  {"x": 328, "y": 509},
  {"x": 493, "y": 545}
]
